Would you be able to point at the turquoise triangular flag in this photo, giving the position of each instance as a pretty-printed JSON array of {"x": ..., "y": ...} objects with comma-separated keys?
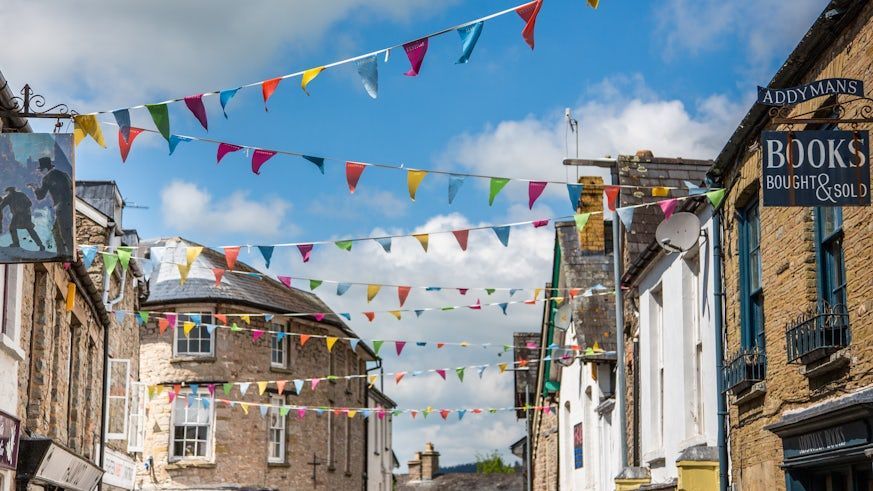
[
  {"x": 318, "y": 161},
  {"x": 347, "y": 316},
  {"x": 341, "y": 288},
  {"x": 175, "y": 140},
  {"x": 503, "y": 307},
  {"x": 693, "y": 189},
  {"x": 88, "y": 255},
  {"x": 267, "y": 252},
  {"x": 469, "y": 36},
  {"x": 224, "y": 97},
  {"x": 575, "y": 191},
  {"x": 502, "y": 234},
  {"x": 461, "y": 413},
  {"x": 455, "y": 183},
  {"x": 385, "y": 242}
]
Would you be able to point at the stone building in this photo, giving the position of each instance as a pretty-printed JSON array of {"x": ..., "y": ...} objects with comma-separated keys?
[
  {"x": 798, "y": 282},
  {"x": 381, "y": 460},
  {"x": 213, "y": 445}
]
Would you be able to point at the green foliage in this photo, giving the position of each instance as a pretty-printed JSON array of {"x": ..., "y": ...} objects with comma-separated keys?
[{"x": 492, "y": 463}]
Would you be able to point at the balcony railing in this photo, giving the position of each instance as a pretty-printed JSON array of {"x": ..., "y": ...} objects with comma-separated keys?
[
  {"x": 747, "y": 366},
  {"x": 818, "y": 333}
]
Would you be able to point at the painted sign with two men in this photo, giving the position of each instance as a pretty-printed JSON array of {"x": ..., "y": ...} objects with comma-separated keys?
[{"x": 36, "y": 197}]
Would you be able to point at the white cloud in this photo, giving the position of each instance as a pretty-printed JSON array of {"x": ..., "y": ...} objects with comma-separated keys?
[
  {"x": 365, "y": 203},
  {"x": 190, "y": 208}
]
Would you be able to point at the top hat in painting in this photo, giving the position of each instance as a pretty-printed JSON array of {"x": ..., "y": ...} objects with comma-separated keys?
[{"x": 45, "y": 163}]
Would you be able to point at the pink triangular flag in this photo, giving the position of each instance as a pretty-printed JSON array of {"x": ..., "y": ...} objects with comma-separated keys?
[
  {"x": 353, "y": 173},
  {"x": 477, "y": 305},
  {"x": 301, "y": 412},
  {"x": 668, "y": 206},
  {"x": 463, "y": 291},
  {"x": 540, "y": 223},
  {"x": 314, "y": 382},
  {"x": 441, "y": 372},
  {"x": 415, "y": 51},
  {"x": 534, "y": 191},
  {"x": 259, "y": 157},
  {"x": 461, "y": 236},
  {"x": 224, "y": 149},
  {"x": 286, "y": 280},
  {"x": 528, "y": 14},
  {"x": 195, "y": 105},
  {"x": 398, "y": 345},
  {"x": 256, "y": 335},
  {"x": 402, "y": 293},
  {"x": 319, "y": 317},
  {"x": 124, "y": 145},
  {"x": 305, "y": 251}
]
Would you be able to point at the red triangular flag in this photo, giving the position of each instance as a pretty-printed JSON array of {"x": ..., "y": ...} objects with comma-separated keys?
[
  {"x": 230, "y": 255},
  {"x": 477, "y": 306},
  {"x": 573, "y": 292},
  {"x": 195, "y": 105},
  {"x": 267, "y": 89},
  {"x": 224, "y": 149},
  {"x": 413, "y": 413},
  {"x": 398, "y": 345},
  {"x": 528, "y": 14},
  {"x": 370, "y": 316},
  {"x": 444, "y": 413},
  {"x": 219, "y": 273},
  {"x": 124, "y": 145},
  {"x": 398, "y": 377},
  {"x": 259, "y": 157},
  {"x": 402, "y": 293},
  {"x": 611, "y": 193},
  {"x": 353, "y": 173},
  {"x": 163, "y": 324},
  {"x": 668, "y": 206},
  {"x": 534, "y": 191},
  {"x": 440, "y": 345},
  {"x": 461, "y": 236},
  {"x": 221, "y": 318},
  {"x": 463, "y": 291}
]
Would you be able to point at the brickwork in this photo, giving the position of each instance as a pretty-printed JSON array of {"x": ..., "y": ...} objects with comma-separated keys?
[
  {"x": 789, "y": 285},
  {"x": 545, "y": 459}
]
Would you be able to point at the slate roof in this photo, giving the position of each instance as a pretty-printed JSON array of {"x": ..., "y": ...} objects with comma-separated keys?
[{"x": 100, "y": 195}]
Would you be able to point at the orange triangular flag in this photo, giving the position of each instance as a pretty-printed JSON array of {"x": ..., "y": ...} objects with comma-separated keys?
[
  {"x": 280, "y": 386},
  {"x": 370, "y": 316},
  {"x": 230, "y": 255},
  {"x": 163, "y": 324},
  {"x": 304, "y": 338},
  {"x": 221, "y": 318},
  {"x": 219, "y": 273},
  {"x": 267, "y": 89},
  {"x": 402, "y": 293}
]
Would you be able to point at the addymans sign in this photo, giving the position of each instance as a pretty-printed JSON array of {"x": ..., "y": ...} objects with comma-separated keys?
[{"x": 825, "y": 168}]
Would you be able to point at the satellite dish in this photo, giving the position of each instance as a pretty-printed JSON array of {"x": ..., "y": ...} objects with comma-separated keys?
[
  {"x": 678, "y": 233},
  {"x": 563, "y": 315}
]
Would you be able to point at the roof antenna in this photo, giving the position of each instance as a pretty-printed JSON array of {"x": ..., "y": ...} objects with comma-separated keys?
[{"x": 573, "y": 126}]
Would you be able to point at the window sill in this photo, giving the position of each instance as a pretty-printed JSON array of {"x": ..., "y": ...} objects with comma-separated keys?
[
  {"x": 190, "y": 464},
  {"x": 827, "y": 365},
  {"x": 655, "y": 458},
  {"x": 11, "y": 348},
  {"x": 276, "y": 369},
  {"x": 278, "y": 464},
  {"x": 331, "y": 468},
  {"x": 348, "y": 474},
  {"x": 756, "y": 391},
  {"x": 192, "y": 359}
]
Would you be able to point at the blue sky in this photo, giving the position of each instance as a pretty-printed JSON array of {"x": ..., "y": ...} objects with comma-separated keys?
[{"x": 674, "y": 77}]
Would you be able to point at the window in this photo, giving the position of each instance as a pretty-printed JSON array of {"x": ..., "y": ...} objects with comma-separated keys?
[
  {"x": 198, "y": 342},
  {"x": 751, "y": 290},
  {"x": 657, "y": 364},
  {"x": 347, "y": 465},
  {"x": 694, "y": 380},
  {"x": 279, "y": 347},
  {"x": 276, "y": 437},
  {"x": 116, "y": 399},
  {"x": 829, "y": 251},
  {"x": 192, "y": 427},
  {"x": 136, "y": 420}
]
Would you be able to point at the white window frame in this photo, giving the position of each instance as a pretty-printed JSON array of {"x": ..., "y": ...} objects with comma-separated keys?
[
  {"x": 276, "y": 423},
  {"x": 136, "y": 418},
  {"x": 210, "y": 426},
  {"x": 657, "y": 340},
  {"x": 109, "y": 398},
  {"x": 179, "y": 334},
  {"x": 11, "y": 284},
  {"x": 694, "y": 337},
  {"x": 279, "y": 347}
]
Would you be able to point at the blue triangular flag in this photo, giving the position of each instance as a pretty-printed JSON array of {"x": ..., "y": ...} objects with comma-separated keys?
[
  {"x": 455, "y": 183},
  {"x": 119, "y": 316},
  {"x": 421, "y": 343},
  {"x": 503, "y": 307},
  {"x": 385, "y": 242},
  {"x": 461, "y": 413},
  {"x": 694, "y": 189},
  {"x": 298, "y": 386},
  {"x": 88, "y": 255},
  {"x": 365, "y": 413},
  {"x": 264, "y": 410},
  {"x": 205, "y": 402},
  {"x": 122, "y": 119},
  {"x": 469, "y": 35},
  {"x": 267, "y": 252},
  {"x": 626, "y": 215},
  {"x": 195, "y": 318},
  {"x": 210, "y": 328},
  {"x": 418, "y": 313},
  {"x": 191, "y": 400},
  {"x": 502, "y": 234},
  {"x": 347, "y": 316},
  {"x": 575, "y": 191},
  {"x": 175, "y": 140},
  {"x": 319, "y": 411},
  {"x": 279, "y": 336},
  {"x": 433, "y": 289},
  {"x": 482, "y": 370},
  {"x": 341, "y": 288},
  {"x": 368, "y": 69},
  {"x": 194, "y": 388},
  {"x": 268, "y": 317},
  {"x": 353, "y": 343},
  {"x": 224, "y": 97},
  {"x": 318, "y": 161},
  {"x": 513, "y": 291}
]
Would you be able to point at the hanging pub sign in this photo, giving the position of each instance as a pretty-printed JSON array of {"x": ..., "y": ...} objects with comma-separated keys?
[
  {"x": 578, "y": 446},
  {"x": 9, "y": 433},
  {"x": 36, "y": 197},
  {"x": 816, "y": 168},
  {"x": 796, "y": 95}
]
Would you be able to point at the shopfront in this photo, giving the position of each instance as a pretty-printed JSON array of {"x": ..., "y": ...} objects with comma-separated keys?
[
  {"x": 46, "y": 465},
  {"x": 829, "y": 447}
]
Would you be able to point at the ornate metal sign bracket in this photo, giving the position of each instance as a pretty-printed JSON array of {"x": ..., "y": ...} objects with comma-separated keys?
[
  {"x": 853, "y": 112},
  {"x": 30, "y": 105}
]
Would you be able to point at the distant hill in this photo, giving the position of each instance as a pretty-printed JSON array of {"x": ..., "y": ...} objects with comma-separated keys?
[{"x": 459, "y": 469}]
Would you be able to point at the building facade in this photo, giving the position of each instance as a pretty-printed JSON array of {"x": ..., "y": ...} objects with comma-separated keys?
[
  {"x": 215, "y": 445},
  {"x": 381, "y": 460}
]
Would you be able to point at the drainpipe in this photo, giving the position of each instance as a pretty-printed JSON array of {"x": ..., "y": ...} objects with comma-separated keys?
[
  {"x": 718, "y": 320},
  {"x": 113, "y": 241},
  {"x": 620, "y": 396}
]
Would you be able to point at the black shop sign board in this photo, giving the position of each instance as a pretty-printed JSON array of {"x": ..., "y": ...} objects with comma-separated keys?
[{"x": 816, "y": 168}]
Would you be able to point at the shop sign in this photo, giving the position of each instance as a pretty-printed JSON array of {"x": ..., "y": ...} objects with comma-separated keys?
[
  {"x": 796, "y": 95},
  {"x": 62, "y": 468},
  {"x": 816, "y": 168},
  {"x": 826, "y": 440},
  {"x": 578, "y": 444},
  {"x": 9, "y": 434},
  {"x": 120, "y": 469}
]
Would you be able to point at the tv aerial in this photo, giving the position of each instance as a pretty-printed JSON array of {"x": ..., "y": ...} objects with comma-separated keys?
[{"x": 678, "y": 233}]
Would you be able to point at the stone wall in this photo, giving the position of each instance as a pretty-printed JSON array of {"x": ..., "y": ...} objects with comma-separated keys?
[
  {"x": 789, "y": 283},
  {"x": 545, "y": 458}
]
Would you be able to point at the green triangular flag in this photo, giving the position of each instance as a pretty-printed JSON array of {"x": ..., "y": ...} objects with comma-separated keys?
[
  {"x": 313, "y": 284},
  {"x": 332, "y": 377},
  {"x": 497, "y": 184},
  {"x": 715, "y": 197},
  {"x": 109, "y": 262},
  {"x": 490, "y": 290},
  {"x": 161, "y": 117},
  {"x": 460, "y": 372},
  {"x": 506, "y": 347},
  {"x": 123, "y": 257},
  {"x": 447, "y": 308},
  {"x": 143, "y": 316},
  {"x": 377, "y": 345},
  {"x": 581, "y": 220},
  {"x": 345, "y": 245},
  {"x": 235, "y": 327},
  {"x": 283, "y": 411},
  {"x": 226, "y": 388}
]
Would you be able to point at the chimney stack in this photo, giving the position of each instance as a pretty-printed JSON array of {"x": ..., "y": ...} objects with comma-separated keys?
[{"x": 430, "y": 462}]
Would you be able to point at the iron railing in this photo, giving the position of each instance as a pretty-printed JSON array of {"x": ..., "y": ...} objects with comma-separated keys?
[
  {"x": 817, "y": 333},
  {"x": 747, "y": 366}
]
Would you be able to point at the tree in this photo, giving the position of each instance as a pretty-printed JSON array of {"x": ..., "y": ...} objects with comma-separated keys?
[{"x": 492, "y": 463}]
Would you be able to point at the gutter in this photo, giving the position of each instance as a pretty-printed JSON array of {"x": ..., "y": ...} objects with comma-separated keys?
[
  {"x": 16, "y": 124},
  {"x": 718, "y": 321}
]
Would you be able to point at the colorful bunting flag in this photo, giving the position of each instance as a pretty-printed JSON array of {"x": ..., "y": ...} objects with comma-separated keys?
[
  {"x": 668, "y": 206},
  {"x": 528, "y": 14},
  {"x": 303, "y": 339},
  {"x": 195, "y": 105},
  {"x": 370, "y": 316},
  {"x": 285, "y": 280},
  {"x": 396, "y": 313},
  {"x": 267, "y": 253},
  {"x": 224, "y": 149},
  {"x": 626, "y": 215},
  {"x": 313, "y": 284},
  {"x": 267, "y": 89},
  {"x": 309, "y": 76},
  {"x": 230, "y": 255},
  {"x": 575, "y": 192},
  {"x": 469, "y": 36},
  {"x": 341, "y": 288},
  {"x": 422, "y": 239},
  {"x": 353, "y": 344},
  {"x": 125, "y": 144},
  {"x": 330, "y": 340},
  {"x": 611, "y": 193},
  {"x": 369, "y": 72},
  {"x": 534, "y": 191},
  {"x": 318, "y": 161},
  {"x": 455, "y": 183},
  {"x": 502, "y": 234},
  {"x": 715, "y": 197},
  {"x": 444, "y": 413},
  {"x": 175, "y": 140},
  {"x": 660, "y": 192},
  {"x": 298, "y": 386},
  {"x": 385, "y": 242},
  {"x": 259, "y": 157},
  {"x": 461, "y": 236},
  {"x": 413, "y": 180},
  {"x": 502, "y": 367},
  {"x": 398, "y": 345},
  {"x": 377, "y": 345},
  {"x": 497, "y": 184},
  {"x": 123, "y": 254},
  {"x": 402, "y": 293},
  {"x": 460, "y": 373},
  {"x": 88, "y": 255},
  {"x": 256, "y": 334},
  {"x": 305, "y": 251},
  {"x": 109, "y": 262},
  {"x": 161, "y": 117},
  {"x": 398, "y": 377},
  {"x": 87, "y": 125},
  {"x": 122, "y": 119},
  {"x": 372, "y": 291},
  {"x": 224, "y": 97},
  {"x": 345, "y": 245},
  {"x": 581, "y": 220},
  {"x": 353, "y": 174},
  {"x": 415, "y": 51},
  {"x": 441, "y": 373}
]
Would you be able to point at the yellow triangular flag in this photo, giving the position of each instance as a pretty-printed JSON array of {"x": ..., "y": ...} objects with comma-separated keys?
[
  {"x": 262, "y": 387},
  {"x": 371, "y": 379},
  {"x": 422, "y": 239},
  {"x": 594, "y": 3},
  {"x": 245, "y": 407},
  {"x": 395, "y": 313},
  {"x": 372, "y": 291},
  {"x": 537, "y": 292},
  {"x": 187, "y": 326},
  {"x": 330, "y": 342},
  {"x": 557, "y": 299},
  {"x": 660, "y": 191},
  {"x": 246, "y": 318},
  {"x": 596, "y": 346},
  {"x": 352, "y": 413},
  {"x": 87, "y": 125},
  {"x": 183, "y": 273},
  {"x": 414, "y": 178},
  {"x": 191, "y": 254},
  {"x": 309, "y": 76},
  {"x": 502, "y": 367}
]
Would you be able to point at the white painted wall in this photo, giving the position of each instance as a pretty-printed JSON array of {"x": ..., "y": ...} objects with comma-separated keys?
[
  {"x": 685, "y": 320},
  {"x": 380, "y": 459},
  {"x": 11, "y": 352}
]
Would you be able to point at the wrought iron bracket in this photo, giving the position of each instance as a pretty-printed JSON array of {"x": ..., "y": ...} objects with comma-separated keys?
[
  {"x": 853, "y": 112},
  {"x": 30, "y": 105}
]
